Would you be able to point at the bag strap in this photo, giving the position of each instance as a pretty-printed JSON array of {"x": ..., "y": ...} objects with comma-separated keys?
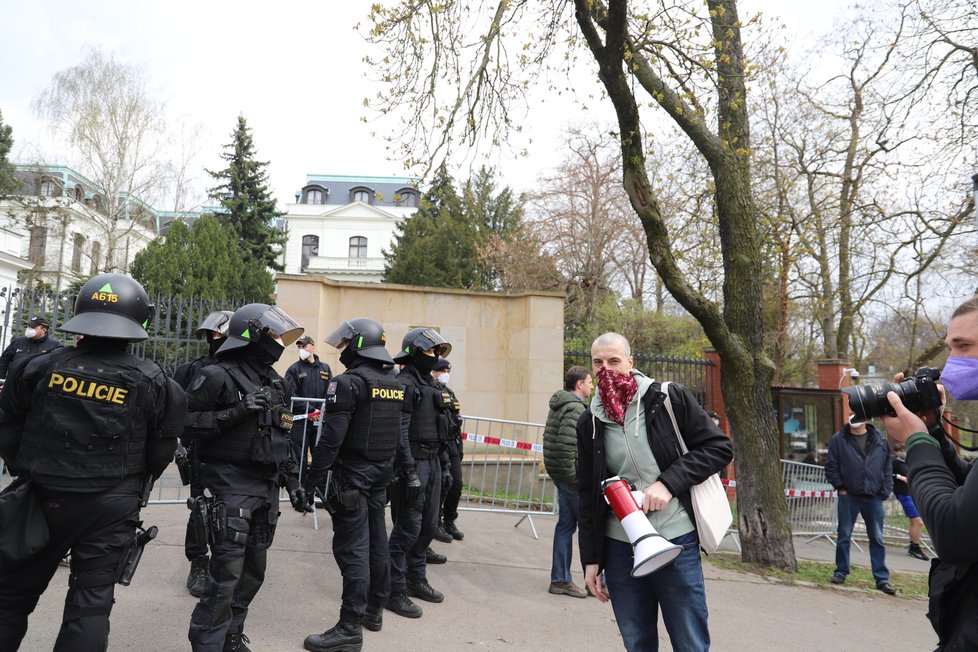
[{"x": 672, "y": 417}]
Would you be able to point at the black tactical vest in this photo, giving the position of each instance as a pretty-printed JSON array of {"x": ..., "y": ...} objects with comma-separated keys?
[
  {"x": 375, "y": 425},
  {"x": 260, "y": 437},
  {"x": 429, "y": 421},
  {"x": 87, "y": 428}
]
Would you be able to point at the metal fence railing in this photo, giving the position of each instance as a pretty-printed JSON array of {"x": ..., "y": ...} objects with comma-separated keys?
[{"x": 689, "y": 372}]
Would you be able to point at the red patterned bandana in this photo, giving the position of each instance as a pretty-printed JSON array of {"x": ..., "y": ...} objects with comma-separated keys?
[{"x": 616, "y": 390}]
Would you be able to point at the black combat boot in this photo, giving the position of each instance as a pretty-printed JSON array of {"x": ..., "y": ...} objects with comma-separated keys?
[
  {"x": 374, "y": 618},
  {"x": 401, "y": 604},
  {"x": 197, "y": 578},
  {"x": 432, "y": 557},
  {"x": 344, "y": 637},
  {"x": 454, "y": 531},
  {"x": 441, "y": 534},
  {"x": 424, "y": 591},
  {"x": 235, "y": 642}
]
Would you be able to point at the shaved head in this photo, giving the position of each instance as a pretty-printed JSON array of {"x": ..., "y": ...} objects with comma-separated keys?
[
  {"x": 613, "y": 340},
  {"x": 611, "y": 350}
]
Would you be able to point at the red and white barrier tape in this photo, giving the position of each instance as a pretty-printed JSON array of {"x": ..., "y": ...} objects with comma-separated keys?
[
  {"x": 505, "y": 443},
  {"x": 795, "y": 493},
  {"x": 311, "y": 415}
]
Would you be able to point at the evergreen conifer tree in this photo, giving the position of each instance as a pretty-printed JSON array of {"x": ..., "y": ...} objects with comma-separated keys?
[
  {"x": 8, "y": 183},
  {"x": 248, "y": 206}
]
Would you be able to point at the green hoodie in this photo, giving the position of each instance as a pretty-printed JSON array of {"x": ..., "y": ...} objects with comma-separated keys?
[
  {"x": 628, "y": 455},
  {"x": 560, "y": 436}
]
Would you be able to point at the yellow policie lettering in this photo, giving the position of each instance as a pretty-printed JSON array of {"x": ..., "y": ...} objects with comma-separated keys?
[
  {"x": 88, "y": 389},
  {"x": 392, "y": 394},
  {"x": 105, "y": 296}
]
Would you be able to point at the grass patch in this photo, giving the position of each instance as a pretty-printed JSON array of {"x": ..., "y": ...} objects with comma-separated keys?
[{"x": 908, "y": 585}]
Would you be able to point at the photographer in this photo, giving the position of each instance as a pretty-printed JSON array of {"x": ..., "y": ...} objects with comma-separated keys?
[{"x": 945, "y": 491}]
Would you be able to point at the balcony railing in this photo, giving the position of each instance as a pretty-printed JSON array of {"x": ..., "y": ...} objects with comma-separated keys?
[{"x": 337, "y": 263}]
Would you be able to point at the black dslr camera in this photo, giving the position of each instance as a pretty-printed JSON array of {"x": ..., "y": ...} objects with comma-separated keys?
[{"x": 918, "y": 393}]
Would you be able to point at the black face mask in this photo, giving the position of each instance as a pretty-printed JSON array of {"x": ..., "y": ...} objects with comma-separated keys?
[
  {"x": 269, "y": 351},
  {"x": 213, "y": 345},
  {"x": 423, "y": 363},
  {"x": 347, "y": 356}
]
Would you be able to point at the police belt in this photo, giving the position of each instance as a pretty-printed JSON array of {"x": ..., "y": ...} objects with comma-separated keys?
[{"x": 422, "y": 451}]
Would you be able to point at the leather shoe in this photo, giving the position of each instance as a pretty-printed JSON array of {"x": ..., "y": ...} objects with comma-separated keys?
[
  {"x": 838, "y": 578},
  {"x": 423, "y": 591},
  {"x": 441, "y": 534},
  {"x": 886, "y": 588},
  {"x": 432, "y": 557},
  {"x": 401, "y": 604},
  {"x": 567, "y": 588},
  {"x": 373, "y": 619},
  {"x": 344, "y": 637}
]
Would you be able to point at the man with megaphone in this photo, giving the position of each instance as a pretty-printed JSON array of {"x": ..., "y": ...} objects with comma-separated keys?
[{"x": 627, "y": 433}]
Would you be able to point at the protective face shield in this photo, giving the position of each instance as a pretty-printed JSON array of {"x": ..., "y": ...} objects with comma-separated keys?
[
  {"x": 215, "y": 322},
  {"x": 362, "y": 337},
  {"x": 265, "y": 326},
  {"x": 419, "y": 340}
]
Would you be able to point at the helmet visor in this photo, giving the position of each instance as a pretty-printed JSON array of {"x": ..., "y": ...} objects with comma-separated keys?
[
  {"x": 278, "y": 324},
  {"x": 429, "y": 338},
  {"x": 216, "y": 322},
  {"x": 341, "y": 336}
]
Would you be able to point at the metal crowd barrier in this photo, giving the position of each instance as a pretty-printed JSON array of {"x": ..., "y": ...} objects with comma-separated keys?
[
  {"x": 812, "y": 509},
  {"x": 502, "y": 469}
]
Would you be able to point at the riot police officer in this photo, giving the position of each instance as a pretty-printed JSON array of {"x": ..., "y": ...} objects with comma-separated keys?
[
  {"x": 214, "y": 328},
  {"x": 90, "y": 426},
  {"x": 360, "y": 439},
  {"x": 427, "y": 425},
  {"x": 451, "y": 475},
  {"x": 239, "y": 417}
]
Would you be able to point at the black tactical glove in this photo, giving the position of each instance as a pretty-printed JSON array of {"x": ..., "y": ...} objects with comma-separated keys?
[
  {"x": 446, "y": 477},
  {"x": 256, "y": 401},
  {"x": 299, "y": 501},
  {"x": 412, "y": 486}
]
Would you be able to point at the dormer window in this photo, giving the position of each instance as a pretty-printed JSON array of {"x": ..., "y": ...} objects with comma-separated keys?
[
  {"x": 407, "y": 198},
  {"x": 362, "y": 194},
  {"x": 314, "y": 196}
]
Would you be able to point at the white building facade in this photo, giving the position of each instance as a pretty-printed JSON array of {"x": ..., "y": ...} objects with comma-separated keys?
[{"x": 339, "y": 226}]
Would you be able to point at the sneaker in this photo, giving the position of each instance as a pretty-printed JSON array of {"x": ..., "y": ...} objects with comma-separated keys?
[
  {"x": 401, "y": 604},
  {"x": 344, "y": 637},
  {"x": 235, "y": 642},
  {"x": 885, "y": 588},
  {"x": 432, "y": 557},
  {"x": 197, "y": 578},
  {"x": 423, "y": 591},
  {"x": 441, "y": 534},
  {"x": 567, "y": 588},
  {"x": 454, "y": 531},
  {"x": 915, "y": 551},
  {"x": 838, "y": 578},
  {"x": 373, "y": 619}
]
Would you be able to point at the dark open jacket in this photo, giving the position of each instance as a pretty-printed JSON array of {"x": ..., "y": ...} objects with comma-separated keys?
[
  {"x": 861, "y": 475},
  {"x": 709, "y": 451}
]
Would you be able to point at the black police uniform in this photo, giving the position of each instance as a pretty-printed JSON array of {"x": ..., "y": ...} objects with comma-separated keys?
[
  {"x": 244, "y": 453},
  {"x": 453, "y": 446},
  {"x": 414, "y": 524},
  {"x": 361, "y": 433},
  {"x": 86, "y": 424},
  {"x": 306, "y": 379},
  {"x": 24, "y": 347}
]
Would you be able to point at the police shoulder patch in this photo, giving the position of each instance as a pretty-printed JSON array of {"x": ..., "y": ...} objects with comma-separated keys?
[{"x": 198, "y": 382}]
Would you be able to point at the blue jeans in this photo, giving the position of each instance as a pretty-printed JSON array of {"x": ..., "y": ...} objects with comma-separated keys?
[
  {"x": 678, "y": 589},
  {"x": 851, "y": 506},
  {"x": 568, "y": 502}
]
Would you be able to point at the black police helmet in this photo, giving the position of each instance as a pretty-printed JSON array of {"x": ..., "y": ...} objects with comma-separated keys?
[
  {"x": 250, "y": 323},
  {"x": 113, "y": 306},
  {"x": 419, "y": 340},
  {"x": 363, "y": 336},
  {"x": 215, "y": 322}
]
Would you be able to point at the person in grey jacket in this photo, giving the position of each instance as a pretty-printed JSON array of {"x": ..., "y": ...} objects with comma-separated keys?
[
  {"x": 859, "y": 466},
  {"x": 560, "y": 459}
]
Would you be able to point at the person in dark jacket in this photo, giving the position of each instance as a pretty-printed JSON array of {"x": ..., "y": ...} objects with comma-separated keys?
[
  {"x": 90, "y": 427},
  {"x": 307, "y": 378},
  {"x": 625, "y": 432},
  {"x": 945, "y": 489},
  {"x": 34, "y": 340},
  {"x": 447, "y": 531},
  {"x": 860, "y": 468},
  {"x": 560, "y": 459}
]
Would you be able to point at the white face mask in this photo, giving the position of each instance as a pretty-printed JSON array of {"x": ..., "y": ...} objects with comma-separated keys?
[
  {"x": 443, "y": 378},
  {"x": 30, "y": 332},
  {"x": 303, "y": 354}
]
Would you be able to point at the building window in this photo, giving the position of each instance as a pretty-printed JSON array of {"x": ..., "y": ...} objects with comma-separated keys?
[
  {"x": 76, "y": 253},
  {"x": 314, "y": 196},
  {"x": 47, "y": 188},
  {"x": 310, "y": 247},
  {"x": 407, "y": 197},
  {"x": 96, "y": 254},
  {"x": 79, "y": 193},
  {"x": 363, "y": 195},
  {"x": 39, "y": 242},
  {"x": 358, "y": 247}
]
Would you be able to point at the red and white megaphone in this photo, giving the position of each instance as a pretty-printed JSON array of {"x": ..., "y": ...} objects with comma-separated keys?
[{"x": 651, "y": 550}]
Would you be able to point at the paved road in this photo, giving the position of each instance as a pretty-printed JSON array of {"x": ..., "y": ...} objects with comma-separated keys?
[{"x": 496, "y": 599}]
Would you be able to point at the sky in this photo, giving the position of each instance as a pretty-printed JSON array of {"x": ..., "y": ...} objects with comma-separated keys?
[{"x": 293, "y": 69}]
